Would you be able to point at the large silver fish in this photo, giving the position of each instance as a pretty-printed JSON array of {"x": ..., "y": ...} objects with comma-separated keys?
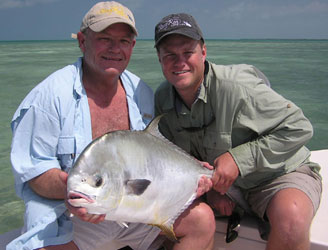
[{"x": 135, "y": 176}]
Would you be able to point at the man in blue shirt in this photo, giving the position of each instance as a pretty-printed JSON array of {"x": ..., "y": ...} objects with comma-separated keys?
[{"x": 61, "y": 116}]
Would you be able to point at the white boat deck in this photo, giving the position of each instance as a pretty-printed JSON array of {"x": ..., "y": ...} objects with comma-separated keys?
[{"x": 249, "y": 237}]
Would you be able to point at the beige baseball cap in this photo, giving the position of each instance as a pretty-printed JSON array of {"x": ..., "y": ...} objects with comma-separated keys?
[{"x": 104, "y": 14}]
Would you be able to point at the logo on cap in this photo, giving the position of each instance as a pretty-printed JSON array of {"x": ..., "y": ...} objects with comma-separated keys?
[
  {"x": 173, "y": 23},
  {"x": 117, "y": 10}
]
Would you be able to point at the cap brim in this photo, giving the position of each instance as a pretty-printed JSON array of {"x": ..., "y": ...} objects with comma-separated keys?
[
  {"x": 183, "y": 32},
  {"x": 101, "y": 25}
]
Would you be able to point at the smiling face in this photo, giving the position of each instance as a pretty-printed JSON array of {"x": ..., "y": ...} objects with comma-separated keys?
[
  {"x": 108, "y": 51},
  {"x": 182, "y": 60}
]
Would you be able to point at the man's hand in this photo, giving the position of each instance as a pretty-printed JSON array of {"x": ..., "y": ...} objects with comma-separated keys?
[
  {"x": 221, "y": 203},
  {"x": 226, "y": 172},
  {"x": 205, "y": 184},
  {"x": 81, "y": 212}
]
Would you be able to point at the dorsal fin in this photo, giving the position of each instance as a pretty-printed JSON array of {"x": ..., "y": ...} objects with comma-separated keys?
[{"x": 152, "y": 127}]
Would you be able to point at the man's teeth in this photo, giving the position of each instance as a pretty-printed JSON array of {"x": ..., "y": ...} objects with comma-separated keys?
[
  {"x": 180, "y": 72},
  {"x": 112, "y": 59}
]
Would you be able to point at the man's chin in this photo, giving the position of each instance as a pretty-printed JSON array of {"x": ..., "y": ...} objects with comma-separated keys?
[
  {"x": 181, "y": 84},
  {"x": 113, "y": 71}
]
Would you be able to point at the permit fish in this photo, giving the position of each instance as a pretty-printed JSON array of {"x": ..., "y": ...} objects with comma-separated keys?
[{"x": 135, "y": 176}]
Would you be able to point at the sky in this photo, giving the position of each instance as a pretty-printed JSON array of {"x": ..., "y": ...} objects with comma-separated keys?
[{"x": 218, "y": 19}]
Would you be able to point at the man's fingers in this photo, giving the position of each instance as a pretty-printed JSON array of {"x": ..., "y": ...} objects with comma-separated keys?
[
  {"x": 79, "y": 211},
  {"x": 207, "y": 165},
  {"x": 204, "y": 185},
  {"x": 94, "y": 218},
  {"x": 222, "y": 185}
]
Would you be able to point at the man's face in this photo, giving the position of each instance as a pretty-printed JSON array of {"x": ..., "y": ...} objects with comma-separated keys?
[
  {"x": 182, "y": 60},
  {"x": 108, "y": 51}
]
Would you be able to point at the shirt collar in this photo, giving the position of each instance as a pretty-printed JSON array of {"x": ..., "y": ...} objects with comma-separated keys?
[
  {"x": 202, "y": 91},
  {"x": 78, "y": 86}
]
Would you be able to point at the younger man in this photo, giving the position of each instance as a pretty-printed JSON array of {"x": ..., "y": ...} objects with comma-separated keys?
[{"x": 230, "y": 117}]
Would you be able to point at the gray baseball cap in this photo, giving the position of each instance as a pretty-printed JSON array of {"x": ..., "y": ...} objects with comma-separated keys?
[
  {"x": 104, "y": 14},
  {"x": 181, "y": 23}
]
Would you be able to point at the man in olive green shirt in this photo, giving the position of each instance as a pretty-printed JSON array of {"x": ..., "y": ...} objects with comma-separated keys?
[{"x": 230, "y": 117}]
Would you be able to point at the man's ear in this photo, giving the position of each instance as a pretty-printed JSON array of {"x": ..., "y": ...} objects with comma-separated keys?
[
  {"x": 158, "y": 55},
  {"x": 81, "y": 40},
  {"x": 133, "y": 43},
  {"x": 204, "y": 52}
]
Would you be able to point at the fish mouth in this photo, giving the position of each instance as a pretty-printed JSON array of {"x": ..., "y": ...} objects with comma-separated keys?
[{"x": 76, "y": 198}]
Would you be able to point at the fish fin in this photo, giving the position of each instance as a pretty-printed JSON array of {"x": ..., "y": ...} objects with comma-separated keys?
[
  {"x": 168, "y": 231},
  {"x": 122, "y": 224},
  {"x": 167, "y": 227},
  {"x": 152, "y": 127},
  {"x": 137, "y": 186}
]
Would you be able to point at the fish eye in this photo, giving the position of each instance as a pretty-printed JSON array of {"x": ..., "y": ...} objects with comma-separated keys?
[{"x": 99, "y": 181}]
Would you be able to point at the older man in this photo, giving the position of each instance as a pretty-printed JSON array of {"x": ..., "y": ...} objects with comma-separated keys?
[{"x": 62, "y": 115}]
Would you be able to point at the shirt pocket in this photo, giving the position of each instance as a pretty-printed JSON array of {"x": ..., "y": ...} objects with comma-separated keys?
[
  {"x": 216, "y": 143},
  {"x": 66, "y": 152}
]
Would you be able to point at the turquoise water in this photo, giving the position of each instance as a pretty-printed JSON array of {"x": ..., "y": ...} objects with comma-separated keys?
[{"x": 297, "y": 69}]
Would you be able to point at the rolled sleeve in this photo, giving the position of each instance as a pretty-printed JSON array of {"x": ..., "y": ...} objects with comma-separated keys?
[
  {"x": 34, "y": 145},
  {"x": 44, "y": 137}
]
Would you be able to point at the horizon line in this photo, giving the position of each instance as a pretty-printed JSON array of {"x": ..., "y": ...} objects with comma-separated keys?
[{"x": 151, "y": 39}]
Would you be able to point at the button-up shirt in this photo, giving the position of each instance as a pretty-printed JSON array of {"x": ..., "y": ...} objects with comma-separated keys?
[
  {"x": 237, "y": 112},
  {"x": 51, "y": 127}
]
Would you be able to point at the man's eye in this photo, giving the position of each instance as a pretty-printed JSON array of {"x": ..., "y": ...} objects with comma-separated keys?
[
  {"x": 104, "y": 39},
  {"x": 125, "y": 41},
  {"x": 170, "y": 56}
]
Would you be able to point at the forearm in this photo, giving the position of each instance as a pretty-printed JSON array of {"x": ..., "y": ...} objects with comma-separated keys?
[{"x": 49, "y": 184}]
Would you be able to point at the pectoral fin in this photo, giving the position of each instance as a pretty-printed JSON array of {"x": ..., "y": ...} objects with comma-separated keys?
[{"x": 137, "y": 186}]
